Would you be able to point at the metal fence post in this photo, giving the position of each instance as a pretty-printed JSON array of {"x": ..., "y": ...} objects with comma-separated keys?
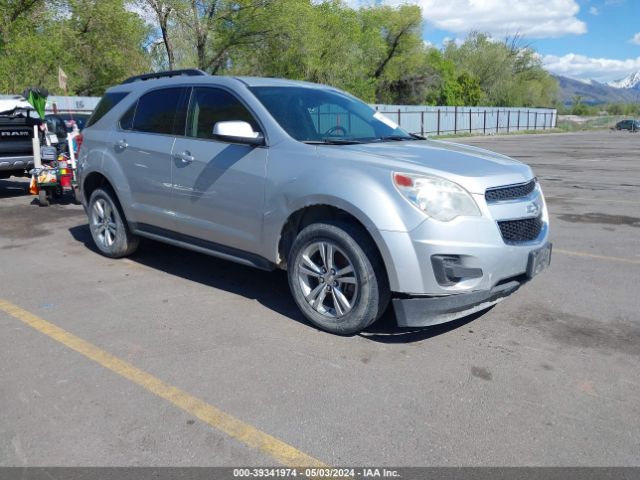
[
  {"x": 484, "y": 123},
  {"x": 535, "y": 122},
  {"x": 470, "y": 120},
  {"x": 455, "y": 121},
  {"x": 422, "y": 123},
  {"x": 497, "y": 120},
  {"x": 518, "y": 119},
  {"x": 438, "y": 121},
  {"x": 508, "y": 120},
  {"x": 528, "y": 118},
  {"x": 399, "y": 119}
]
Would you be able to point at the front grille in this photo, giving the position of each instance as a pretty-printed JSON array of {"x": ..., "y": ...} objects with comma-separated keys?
[
  {"x": 510, "y": 192},
  {"x": 517, "y": 231}
]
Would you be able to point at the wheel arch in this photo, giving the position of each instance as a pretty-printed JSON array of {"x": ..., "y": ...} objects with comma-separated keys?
[
  {"x": 323, "y": 211},
  {"x": 91, "y": 182},
  {"x": 109, "y": 175}
]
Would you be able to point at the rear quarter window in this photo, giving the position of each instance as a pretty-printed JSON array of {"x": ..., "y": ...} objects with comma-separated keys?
[{"x": 107, "y": 102}]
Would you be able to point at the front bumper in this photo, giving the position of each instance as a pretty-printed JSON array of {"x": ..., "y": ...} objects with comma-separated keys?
[
  {"x": 476, "y": 242},
  {"x": 428, "y": 311}
]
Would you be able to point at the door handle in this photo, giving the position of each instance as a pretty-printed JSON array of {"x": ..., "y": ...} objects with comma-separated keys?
[
  {"x": 185, "y": 157},
  {"x": 121, "y": 144}
]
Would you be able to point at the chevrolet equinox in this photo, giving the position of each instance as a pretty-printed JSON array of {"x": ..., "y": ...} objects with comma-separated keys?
[{"x": 307, "y": 178}]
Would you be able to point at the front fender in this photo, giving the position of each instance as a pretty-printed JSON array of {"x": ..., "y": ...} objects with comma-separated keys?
[{"x": 370, "y": 198}]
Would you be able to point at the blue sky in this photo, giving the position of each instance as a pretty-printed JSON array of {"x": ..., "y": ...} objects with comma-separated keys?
[{"x": 584, "y": 39}]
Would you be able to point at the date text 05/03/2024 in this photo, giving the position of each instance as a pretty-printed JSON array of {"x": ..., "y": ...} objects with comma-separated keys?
[{"x": 315, "y": 472}]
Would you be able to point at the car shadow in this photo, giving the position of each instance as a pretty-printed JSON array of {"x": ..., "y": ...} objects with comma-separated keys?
[
  {"x": 386, "y": 330},
  {"x": 270, "y": 289},
  {"x": 65, "y": 199},
  {"x": 13, "y": 188}
]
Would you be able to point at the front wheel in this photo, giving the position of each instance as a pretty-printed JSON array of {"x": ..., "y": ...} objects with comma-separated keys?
[
  {"x": 337, "y": 277},
  {"x": 108, "y": 226}
]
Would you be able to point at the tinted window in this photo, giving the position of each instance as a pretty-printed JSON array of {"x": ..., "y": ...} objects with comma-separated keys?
[
  {"x": 106, "y": 103},
  {"x": 126, "y": 122},
  {"x": 211, "y": 105},
  {"x": 156, "y": 111}
]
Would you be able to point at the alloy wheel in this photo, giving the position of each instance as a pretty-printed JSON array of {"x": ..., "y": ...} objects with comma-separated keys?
[
  {"x": 327, "y": 278},
  {"x": 103, "y": 222}
]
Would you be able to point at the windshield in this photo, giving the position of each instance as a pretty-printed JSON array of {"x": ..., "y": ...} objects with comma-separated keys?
[{"x": 314, "y": 115}]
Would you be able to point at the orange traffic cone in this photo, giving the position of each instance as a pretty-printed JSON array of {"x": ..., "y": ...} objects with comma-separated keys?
[{"x": 33, "y": 186}]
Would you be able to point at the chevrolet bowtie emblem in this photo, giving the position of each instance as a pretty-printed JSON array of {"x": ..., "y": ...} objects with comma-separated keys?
[{"x": 533, "y": 209}]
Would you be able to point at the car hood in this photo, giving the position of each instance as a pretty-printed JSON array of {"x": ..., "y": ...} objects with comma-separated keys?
[
  {"x": 11, "y": 105},
  {"x": 474, "y": 168}
]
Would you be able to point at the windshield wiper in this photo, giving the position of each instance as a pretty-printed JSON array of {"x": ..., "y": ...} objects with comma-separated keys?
[
  {"x": 332, "y": 141},
  {"x": 400, "y": 138}
]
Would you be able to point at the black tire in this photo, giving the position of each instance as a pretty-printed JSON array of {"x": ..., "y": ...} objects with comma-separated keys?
[
  {"x": 370, "y": 291},
  {"x": 110, "y": 231},
  {"x": 43, "y": 201},
  {"x": 77, "y": 196}
]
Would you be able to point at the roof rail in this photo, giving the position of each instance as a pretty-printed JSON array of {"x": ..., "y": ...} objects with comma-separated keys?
[{"x": 188, "y": 72}]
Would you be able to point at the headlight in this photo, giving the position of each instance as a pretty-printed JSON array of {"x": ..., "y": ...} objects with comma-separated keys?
[{"x": 435, "y": 196}]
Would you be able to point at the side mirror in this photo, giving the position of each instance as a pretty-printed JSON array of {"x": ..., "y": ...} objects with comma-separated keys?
[{"x": 237, "y": 132}]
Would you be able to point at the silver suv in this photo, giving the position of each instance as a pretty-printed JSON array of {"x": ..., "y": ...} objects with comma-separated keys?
[{"x": 304, "y": 177}]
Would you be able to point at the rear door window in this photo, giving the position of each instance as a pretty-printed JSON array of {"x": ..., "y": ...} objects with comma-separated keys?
[{"x": 159, "y": 111}]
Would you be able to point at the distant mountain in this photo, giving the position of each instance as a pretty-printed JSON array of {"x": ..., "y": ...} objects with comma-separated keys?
[
  {"x": 632, "y": 81},
  {"x": 596, "y": 93}
]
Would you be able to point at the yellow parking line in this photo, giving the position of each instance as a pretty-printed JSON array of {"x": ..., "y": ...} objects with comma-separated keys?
[
  {"x": 280, "y": 451},
  {"x": 599, "y": 257}
]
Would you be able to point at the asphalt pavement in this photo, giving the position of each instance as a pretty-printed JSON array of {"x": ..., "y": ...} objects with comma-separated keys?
[{"x": 174, "y": 358}]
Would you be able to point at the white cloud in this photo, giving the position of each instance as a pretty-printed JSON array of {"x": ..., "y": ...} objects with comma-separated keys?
[
  {"x": 583, "y": 67},
  {"x": 458, "y": 41},
  {"x": 636, "y": 39},
  {"x": 594, "y": 11},
  {"x": 528, "y": 18}
]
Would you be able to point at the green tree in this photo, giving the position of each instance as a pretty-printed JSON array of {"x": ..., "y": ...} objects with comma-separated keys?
[
  {"x": 96, "y": 43},
  {"x": 164, "y": 12},
  {"x": 579, "y": 108},
  {"x": 104, "y": 45},
  {"x": 448, "y": 86},
  {"x": 306, "y": 41},
  {"x": 375, "y": 53},
  {"x": 29, "y": 42},
  {"x": 395, "y": 52},
  {"x": 509, "y": 73}
]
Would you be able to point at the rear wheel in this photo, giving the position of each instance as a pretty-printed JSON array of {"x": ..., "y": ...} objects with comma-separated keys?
[
  {"x": 43, "y": 200},
  {"x": 108, "y": 226},
  {"x": 337, "y": 277}
]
